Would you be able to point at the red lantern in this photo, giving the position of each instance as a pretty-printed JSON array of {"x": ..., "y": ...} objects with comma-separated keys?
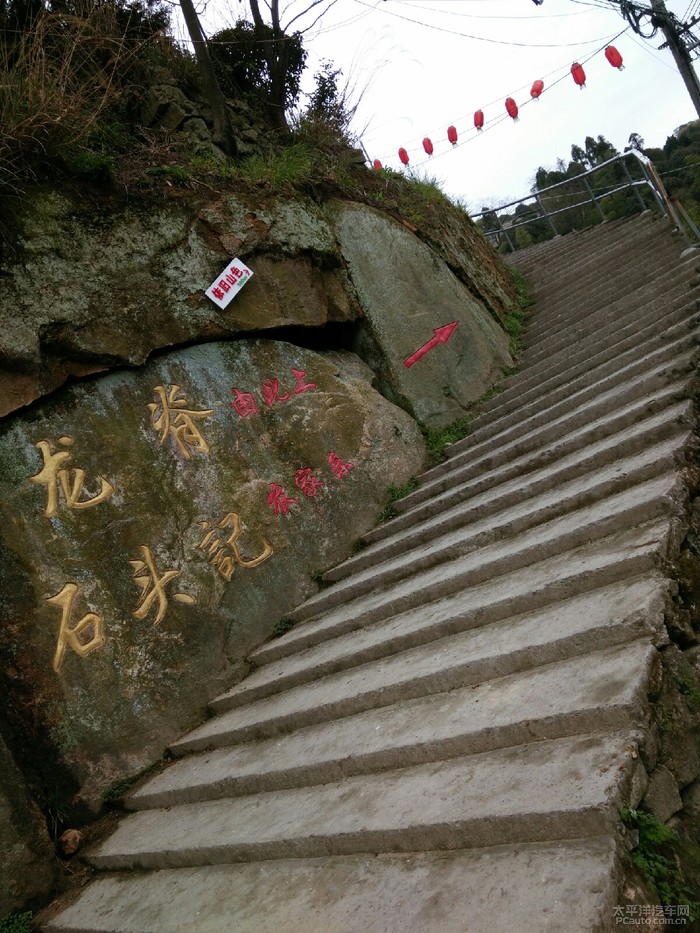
[
  {"x": 452, "y": 134},
  {"x": 614, "y": 57},
  {"x": 578, "y": 74},
  {"x": 479, "y": 120},
  {"x": 376, "y": 164},
  {"x": 512, "y": 108},
  {"x": 428, "y": 146},
  {"x": 403, "y": 155},
  {"x": 536, "y": 89}
]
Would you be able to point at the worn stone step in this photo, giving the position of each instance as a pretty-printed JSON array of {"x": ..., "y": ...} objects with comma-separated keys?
[
  {"x": 552, "y": 405},
  {"x": 641, "y": 331},
  {"x": 568, "y": 885},
  {"x": 590, "y": 422},
  {"x": 597, "y": 287},
  {"x": 627, "y": 264},
  {"x": 482, "y": 639},
  {"x": 558, "y": 255},
  {"x": 640, "y": 503},
  {"x": 511, "y": 507},
  {"x": 607, "y": 560},
  {"x": 549, "y": 256},
  {"x": 604, "y": 691},
  {"x": 498, "y": 520},
  {"x": 595, "y": 378},
  {"x": 535, "y": 469},
  {"x": 658, "y": 296},
  {"x": 543, "y": 791}
]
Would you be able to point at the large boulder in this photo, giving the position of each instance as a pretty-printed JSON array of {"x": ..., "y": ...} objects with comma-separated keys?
[
  {"x": 409, "y": 295},
  {"x": 92, "y": 286},
  {"x": 156, "y": 524}
]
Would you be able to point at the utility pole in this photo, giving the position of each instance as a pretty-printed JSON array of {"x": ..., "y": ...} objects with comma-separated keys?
[
  {"x": 669, "y": 26},
  {"x": 658, "y": 17}
]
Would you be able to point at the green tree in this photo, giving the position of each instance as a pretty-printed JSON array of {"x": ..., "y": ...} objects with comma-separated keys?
[{"x": 278, "y": 42}]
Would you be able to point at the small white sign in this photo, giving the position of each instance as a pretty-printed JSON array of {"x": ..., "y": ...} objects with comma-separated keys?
[{"x": 229, "y": 283}]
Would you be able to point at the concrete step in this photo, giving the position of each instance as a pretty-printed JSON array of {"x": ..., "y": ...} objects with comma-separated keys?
[
  {"x": 613, "y": 310},
  {"x": 616, "y": 410},
  {"x": 642, "y": 502},
  {"x": 606, "y": 333},
  {"x": 549, "y": 790},
  {"x": 484, "y": 636},
  {"x": 589, "y": 284},
  {"x": 609, "y": 559},
  {"x": 611, "y": 365},
  {"x": 558, "y": 254},
  {"x": 608, "y": 319},
  {"x": 640, "y": 331},
  {"x": 622, "y": 260},
  {"x": 548, "y": 257},
  {"x": 567, "y": 885},
  {"x": 512, "y": 506},
  {"x": 558, "y": 465},
  {"x": 658, "y": 296},
  {"x": 551, "y": 406},
  {"x": 604, "y": 692},
  {"x": 497, "y": 520}
]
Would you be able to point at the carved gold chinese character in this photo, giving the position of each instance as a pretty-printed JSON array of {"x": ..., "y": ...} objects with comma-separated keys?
[
  {"x": 153, "y": 586},
  {"x": 170, "y": 416},
  {"x": 52, "y": 475},
  {"x": 226, "y": 554},
  {"x": 70, "y": 637}
]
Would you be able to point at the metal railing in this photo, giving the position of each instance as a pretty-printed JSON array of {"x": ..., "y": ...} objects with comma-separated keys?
[{"x": 546, "y": 204}]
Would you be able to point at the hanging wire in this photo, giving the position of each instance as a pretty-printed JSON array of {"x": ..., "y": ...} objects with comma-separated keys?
[{"x": 465, "y": 35}]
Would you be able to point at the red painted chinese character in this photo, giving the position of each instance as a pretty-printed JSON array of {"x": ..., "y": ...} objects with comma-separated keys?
[
  {"x": 278, "y": 500},
  {"x": 217, "y": 293},
  {"x": 231, "y": 279},
  {"x": 308, "y": 484},
  {"x": 338, "y": 466},
  {"x": 271, "y": 392},
  {"x": 224, "y": 284},
  {"x": 236, "y": 272},
  {"x": 300, "y": 375},
  {"x": 244, "y": 403}
]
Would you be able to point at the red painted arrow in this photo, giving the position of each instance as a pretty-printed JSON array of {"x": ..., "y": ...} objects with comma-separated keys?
[{"x": 442, "y": 335}]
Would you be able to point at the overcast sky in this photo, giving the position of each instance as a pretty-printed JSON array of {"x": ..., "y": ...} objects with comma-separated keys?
[{"x": 425, "y": 64}]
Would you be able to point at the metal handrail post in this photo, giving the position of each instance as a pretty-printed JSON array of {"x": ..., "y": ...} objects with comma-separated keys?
[
  {"x": 549, "y": 219},
  {"x": 632, "y": 184},
  {"x": 593, "y": 198},
  {"x": 502, "y": 229}
]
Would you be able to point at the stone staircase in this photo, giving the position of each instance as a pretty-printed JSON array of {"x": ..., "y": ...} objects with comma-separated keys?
[{"x": 444, "y": 740}]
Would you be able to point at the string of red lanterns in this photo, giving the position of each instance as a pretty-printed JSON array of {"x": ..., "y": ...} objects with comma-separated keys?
[{"x": 577, "y": 73}]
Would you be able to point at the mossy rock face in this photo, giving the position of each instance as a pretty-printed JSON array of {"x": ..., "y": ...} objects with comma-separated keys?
[
  {"x": 92, "y": 286},
  {"x": 409, "y": 295},
  {"x": 156, "y": 525}
]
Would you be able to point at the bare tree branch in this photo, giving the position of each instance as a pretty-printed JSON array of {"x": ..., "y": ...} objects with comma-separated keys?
[{"x": 327, "y": 4}]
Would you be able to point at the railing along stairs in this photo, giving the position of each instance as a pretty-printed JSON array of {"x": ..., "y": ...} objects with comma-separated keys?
[{"x": 579, "y": 192}]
